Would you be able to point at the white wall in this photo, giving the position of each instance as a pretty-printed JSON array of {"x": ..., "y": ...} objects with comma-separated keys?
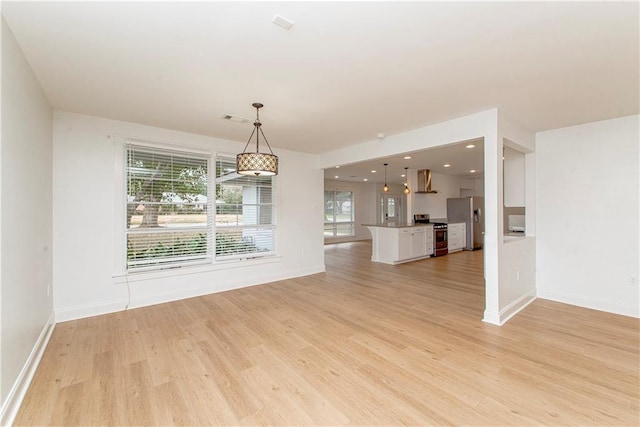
[
  {"x": 587, "y": 215},
  {"x": 517, "y": 273},
  {"x": 472, "y": 187},
  {"x": 86, "y": 231},
  {"x": 25, "y": 237},
  {"x": 514, "y": 177},
  {"x": 436, "y": 204},
  {"x": 365, "y": 196}
]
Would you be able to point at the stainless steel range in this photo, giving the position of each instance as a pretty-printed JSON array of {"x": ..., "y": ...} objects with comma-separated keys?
[{"x": 440, "y": 241}]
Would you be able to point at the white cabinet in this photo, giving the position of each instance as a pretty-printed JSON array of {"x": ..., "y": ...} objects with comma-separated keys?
[
  {"x": 429, "y": 239},
  {"x": 393, "y": 245},
  {"x": 411, "y": 243},
  {"x": 418, "y": 242},
  {"x": 404, "y": 245},
  {"x": 457, "y": 238}
]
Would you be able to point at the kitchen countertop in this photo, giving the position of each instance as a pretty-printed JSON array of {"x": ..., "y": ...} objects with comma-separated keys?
[{"x": 398, "y": 224}]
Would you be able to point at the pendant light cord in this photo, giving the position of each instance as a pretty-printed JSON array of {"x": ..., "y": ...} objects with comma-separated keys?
[
  {"x": 247, "y": 144},
  {"x": 265, "y": 140},
  {"x": 258, "y": 125},
  {"x": 385, "y": 174}
]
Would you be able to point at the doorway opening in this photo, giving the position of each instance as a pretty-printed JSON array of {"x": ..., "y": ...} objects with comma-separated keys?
[{"x": 392, "y": 208}]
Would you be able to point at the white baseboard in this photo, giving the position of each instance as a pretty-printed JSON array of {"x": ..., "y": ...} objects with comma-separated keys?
[
  {"x": 90, "y": 310},
  {"x": 206, "y": 290},
  {"x": 492, "y": 317},
  {"x": 12, "y": 403},
  {"x": 503, "y": 316},
  {"x": 113, "y": 306},
  {"x": 632, "y": 310}
]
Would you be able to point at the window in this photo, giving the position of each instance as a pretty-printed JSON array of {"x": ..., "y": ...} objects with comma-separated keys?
[
  {"x": 338, "y": 213},
  {"x": 245, "y": 212},
  {"x": 170, "y": 221},
  {"x": 167, "y": 218}
]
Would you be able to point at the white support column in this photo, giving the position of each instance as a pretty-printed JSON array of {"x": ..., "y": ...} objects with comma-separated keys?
[
  {"x": 509, "y": 265},
  {"x": 492, "y": 222}
]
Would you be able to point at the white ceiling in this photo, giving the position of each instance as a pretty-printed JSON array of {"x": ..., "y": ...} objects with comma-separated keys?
[
  {"x": 343, "y": 73},
  {"x": 461, "y": 161}
]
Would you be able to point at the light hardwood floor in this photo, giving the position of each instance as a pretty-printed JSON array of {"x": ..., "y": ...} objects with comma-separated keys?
[{"x": 363, "y": 343}]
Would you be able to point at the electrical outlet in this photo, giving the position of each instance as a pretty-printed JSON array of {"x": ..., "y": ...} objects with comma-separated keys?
[
  {"x": 517, "y": 275},
  {"x": 633, "y": 281}
]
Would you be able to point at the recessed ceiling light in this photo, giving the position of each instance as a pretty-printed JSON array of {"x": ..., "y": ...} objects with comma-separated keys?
[
  {"x": 407, "y": 157},
  {"x": 373, "y": 171},
  {"x": 403, "y": 175},
  {"x": 446, "y": 166},
  {"x": 365, "y": 179},
  {"x": 337, "y": 167},
  {"x": 472, "y": 171},
  {"x": 470, "y": 146},
  {"x": 336, "y": 177}
]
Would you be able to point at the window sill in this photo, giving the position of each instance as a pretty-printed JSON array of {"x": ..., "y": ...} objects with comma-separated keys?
[
  {"x": 513, "y": 238},
  {"x": 193, "y": 269}
]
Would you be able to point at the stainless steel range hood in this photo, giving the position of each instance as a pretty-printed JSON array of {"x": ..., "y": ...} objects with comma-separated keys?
[{"x": 424, "y": 182}]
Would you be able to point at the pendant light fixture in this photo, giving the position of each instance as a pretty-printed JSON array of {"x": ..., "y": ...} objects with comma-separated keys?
[
  {"x": 406, "y": 187},
  {"x": 386, "y": 187},
  {"x": 257, "y": 163}
]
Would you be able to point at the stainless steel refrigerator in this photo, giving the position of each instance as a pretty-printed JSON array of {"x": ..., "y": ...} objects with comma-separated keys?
[{"x": 469, "y": 210}]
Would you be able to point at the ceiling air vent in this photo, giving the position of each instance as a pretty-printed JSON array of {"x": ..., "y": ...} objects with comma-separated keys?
[
  {"x": 236, "y": 119},
  {"x": 282, "y": 22}
]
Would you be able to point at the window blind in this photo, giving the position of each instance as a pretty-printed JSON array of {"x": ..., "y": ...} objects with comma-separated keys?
[
  {"x": 245, "y": 220},
  {"x": 168, "y": 220}
]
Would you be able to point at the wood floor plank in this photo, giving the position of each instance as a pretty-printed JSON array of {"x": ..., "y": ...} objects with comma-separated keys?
[
  {"x": 228, "y": 380},
  {"x": 100, "y": 402},
  {"x": 171, "y": 407},
  {"x": 361, "y": 344},
  {"x": 137, "y": 395},
  {"x": 161, "y": 362},
  {"x": 68, "y": 408},
  {"x": 277, "y": 405},
  {"x": 81, "y": 367},
  {"x": 319, "y": 409},
  {"x": 338, "y": 380}
]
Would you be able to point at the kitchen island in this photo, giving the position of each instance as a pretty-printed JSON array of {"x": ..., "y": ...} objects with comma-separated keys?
[{"x": 395, "y": 243}]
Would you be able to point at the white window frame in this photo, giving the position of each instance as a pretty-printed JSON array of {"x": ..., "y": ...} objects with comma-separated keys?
[
  {"x": 335, "y": 224},
  {"x": 167, "y": 263},
  {"x": 120, "y": 274},
  {"x": 273, "y": 227}
]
